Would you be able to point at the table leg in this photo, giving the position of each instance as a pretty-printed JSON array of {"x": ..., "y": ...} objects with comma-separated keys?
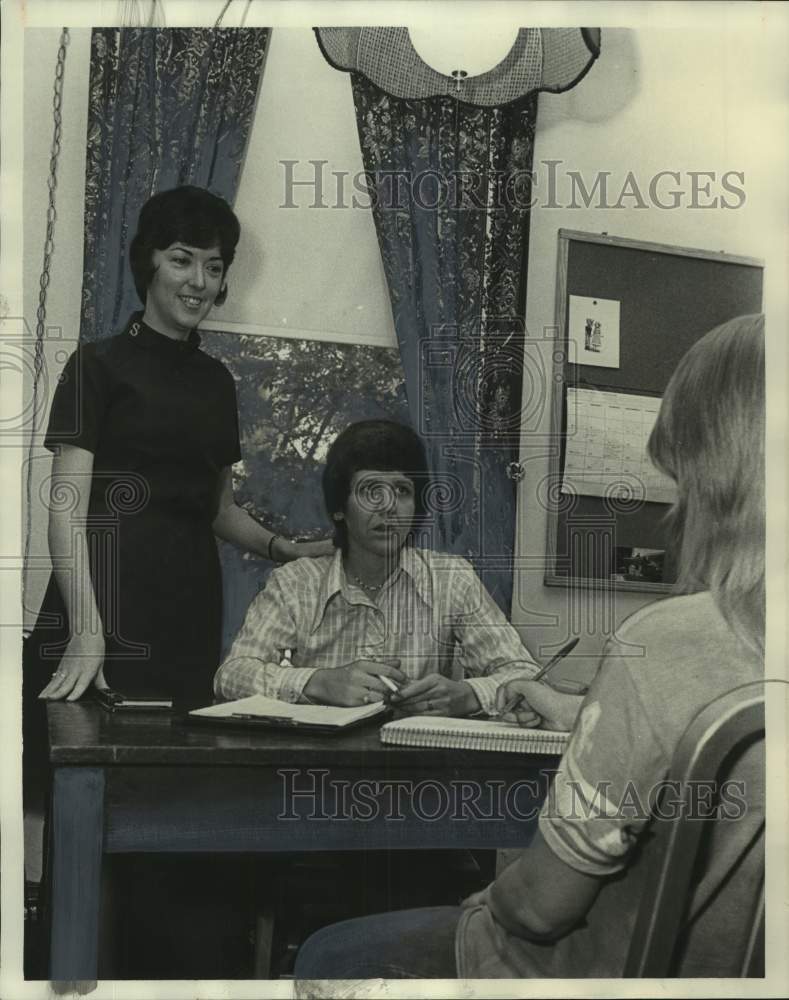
[
  {"x": 77, "y": 841},
  {"x": 264, "y": 936}
]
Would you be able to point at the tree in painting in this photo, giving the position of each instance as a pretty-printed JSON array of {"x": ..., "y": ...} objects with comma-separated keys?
[{"x": 294, "y": 397}]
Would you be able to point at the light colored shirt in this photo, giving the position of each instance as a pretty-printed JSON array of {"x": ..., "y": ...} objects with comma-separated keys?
[
  {"x": 433, "y": 614},
  {"x": 666, "y": 662}
]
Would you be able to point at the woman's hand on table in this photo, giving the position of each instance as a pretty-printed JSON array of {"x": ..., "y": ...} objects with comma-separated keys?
[
  {"x": 80, "y": 666},
  {"x": 541, "y": 705},
  {"x": 436, "y": 695}
]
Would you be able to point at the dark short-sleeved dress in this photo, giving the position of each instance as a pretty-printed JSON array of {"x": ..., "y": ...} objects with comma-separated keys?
[{"x": 160, "y": 417}]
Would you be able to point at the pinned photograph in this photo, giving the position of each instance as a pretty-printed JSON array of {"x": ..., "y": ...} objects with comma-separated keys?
[
  {"x": 637, "y": 564},
  {"x": 594, "y": 328}
]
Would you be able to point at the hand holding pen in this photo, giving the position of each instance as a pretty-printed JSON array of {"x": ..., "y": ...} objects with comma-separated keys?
[{"x": 532, "y": 703}]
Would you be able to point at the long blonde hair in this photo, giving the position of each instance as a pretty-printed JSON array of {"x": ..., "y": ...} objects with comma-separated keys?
[{"x": 709, "y": 437}]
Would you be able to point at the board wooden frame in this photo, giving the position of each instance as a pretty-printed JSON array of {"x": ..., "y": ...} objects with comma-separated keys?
[{"x": 566, "y": 237}]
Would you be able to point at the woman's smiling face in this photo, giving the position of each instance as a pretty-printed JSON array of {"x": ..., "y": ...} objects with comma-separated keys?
[{"x": 184, "y": 286}]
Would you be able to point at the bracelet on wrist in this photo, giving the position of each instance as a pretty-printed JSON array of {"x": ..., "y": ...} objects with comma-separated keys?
[{"x": 271, "y": 541}]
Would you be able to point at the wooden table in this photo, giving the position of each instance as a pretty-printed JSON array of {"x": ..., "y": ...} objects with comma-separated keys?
[{"x": 150, "y": 783}]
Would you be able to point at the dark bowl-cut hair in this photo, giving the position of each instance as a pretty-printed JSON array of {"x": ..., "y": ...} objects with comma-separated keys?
[
  {"x": 380, "y": 446},
  {"x": 187, "y": 214}
]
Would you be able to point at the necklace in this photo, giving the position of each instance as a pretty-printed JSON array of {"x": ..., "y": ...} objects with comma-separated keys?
[{"x": 366, "y": 586}]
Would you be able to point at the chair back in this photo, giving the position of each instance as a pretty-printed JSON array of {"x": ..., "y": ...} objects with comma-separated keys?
[{"x": 728, "y": 724}]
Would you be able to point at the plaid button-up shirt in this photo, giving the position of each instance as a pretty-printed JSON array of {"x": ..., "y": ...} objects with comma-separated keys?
[{"x": 433, "y": 614}]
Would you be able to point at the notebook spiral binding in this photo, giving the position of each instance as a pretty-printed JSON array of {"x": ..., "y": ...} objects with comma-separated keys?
[{"x": 472, "y": 734}]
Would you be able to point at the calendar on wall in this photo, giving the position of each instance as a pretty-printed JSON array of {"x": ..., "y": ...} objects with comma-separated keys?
[{"x": 606, "y": 447}]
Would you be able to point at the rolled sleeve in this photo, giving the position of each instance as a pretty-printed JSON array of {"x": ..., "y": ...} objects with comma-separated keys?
[
  {"x": 601, "y": 796},
  {"x": 291, "y": 681},
  {"x": 579, "y": 822},
  {"x": 245, "y": 675},
  {"x": 485, "y": 689}
]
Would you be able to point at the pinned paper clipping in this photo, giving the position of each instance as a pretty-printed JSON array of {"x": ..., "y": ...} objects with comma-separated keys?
[{"x": 594, "y": 329}]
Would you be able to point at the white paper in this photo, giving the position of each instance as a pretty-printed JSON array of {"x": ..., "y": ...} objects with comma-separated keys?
[
  {"x": 593, "y": 327},
  {"x": 313, "y": 715},
  {"x": 606, "y": 450}
]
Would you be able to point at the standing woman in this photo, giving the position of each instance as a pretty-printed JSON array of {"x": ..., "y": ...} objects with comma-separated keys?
[{"x": 144, "y": 428}]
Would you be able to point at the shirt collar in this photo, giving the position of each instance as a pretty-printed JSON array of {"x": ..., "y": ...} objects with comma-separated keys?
[
  {"x": 145, "y": 336},
  {"x": 413, "y": 562},
  {"x": 335, "y": 582}
]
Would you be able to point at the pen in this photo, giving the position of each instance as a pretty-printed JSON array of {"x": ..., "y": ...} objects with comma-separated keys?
[
  {"x": 282, "y": 720},
  {"x": 555, "y": 659},
  {"x": 516, "y": 700}
]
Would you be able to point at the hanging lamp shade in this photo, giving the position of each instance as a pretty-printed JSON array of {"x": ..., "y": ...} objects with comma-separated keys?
[{"x": 551, "y": 59}]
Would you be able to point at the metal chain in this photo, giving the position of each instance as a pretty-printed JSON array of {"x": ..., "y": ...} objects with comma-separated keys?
[
  {"x": 52, "y": 181},
  {"x": 49, "y": 248}
]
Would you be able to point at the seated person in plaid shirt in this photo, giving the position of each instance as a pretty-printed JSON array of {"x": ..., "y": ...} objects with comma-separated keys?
[{"x": 378, "y": 606}]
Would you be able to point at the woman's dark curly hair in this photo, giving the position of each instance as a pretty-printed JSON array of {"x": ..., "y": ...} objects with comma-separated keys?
[
  {"x": 185, "y": 214},
  {"x": 380, "y": 446}
]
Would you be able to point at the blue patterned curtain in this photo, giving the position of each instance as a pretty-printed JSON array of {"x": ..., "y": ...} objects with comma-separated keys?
[
  {"x": 451, "y": 186},
  {"x": 166, "y": 107}
]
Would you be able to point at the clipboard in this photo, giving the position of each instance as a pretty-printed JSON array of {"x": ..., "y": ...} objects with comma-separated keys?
[
  {"x": 260, "y": 723},
  {"x": 257, "y": 712}
]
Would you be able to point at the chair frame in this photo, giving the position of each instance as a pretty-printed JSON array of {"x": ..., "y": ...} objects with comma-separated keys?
[{"x": 728, "y": 722}]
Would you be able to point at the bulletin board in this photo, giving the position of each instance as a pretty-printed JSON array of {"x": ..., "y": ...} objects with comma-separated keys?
[{"x": 626, "y": 312}]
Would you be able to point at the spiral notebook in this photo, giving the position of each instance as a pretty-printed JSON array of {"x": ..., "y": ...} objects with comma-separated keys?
[{"x": 472, "y": 734}]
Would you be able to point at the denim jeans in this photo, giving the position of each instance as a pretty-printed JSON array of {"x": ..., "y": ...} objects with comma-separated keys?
[{"x": 405, "y": 944}]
